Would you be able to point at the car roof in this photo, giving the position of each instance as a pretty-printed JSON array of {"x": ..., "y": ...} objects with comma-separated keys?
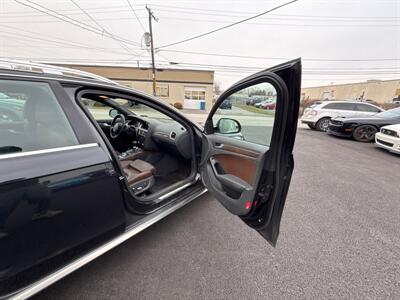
[
  {"x": 345, "y": 101},
  {"x": 26, "y": 68}
]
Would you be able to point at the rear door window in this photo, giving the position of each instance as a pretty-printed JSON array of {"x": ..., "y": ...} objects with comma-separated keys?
[
  {"x": 366, "y": 108},
  {"x": 31, "y": 118},
  {"x": 340, "y": 106}
]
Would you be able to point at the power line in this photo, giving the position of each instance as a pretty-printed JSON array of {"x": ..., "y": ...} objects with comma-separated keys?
[
  {"x": 228, "y": 26},
  {"x": 123, "y": 8},
  {"x": 286, "y": 17},
  {"x": 55, "y": 40},
  {"x": 72, "y": 21},
  {"x": 234, "y": 69},
  {"x": 73, "y": 11},
  {"x": 137, "y": 18},
  {"x": 276, "y": 58},
  {"x": 102, "y": 28},
  {"x": 273, "y": 15},
  {"x": 13, "y": 36},
  {"x": 81, "y": 60},
  {"x": 297, "y": 25},
  {"x": 305, "y": 71}
]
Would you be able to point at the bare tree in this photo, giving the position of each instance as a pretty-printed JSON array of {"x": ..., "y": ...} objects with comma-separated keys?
[{"x": 217, "y": 88}]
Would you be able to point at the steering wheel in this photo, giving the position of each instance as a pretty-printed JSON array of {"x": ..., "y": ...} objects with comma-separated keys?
[{"x": 117, "y": 126}]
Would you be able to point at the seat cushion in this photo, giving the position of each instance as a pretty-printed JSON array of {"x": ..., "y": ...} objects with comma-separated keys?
[
  {"x": 142, "y": 166},
  {"x": 137, "y": 170}
]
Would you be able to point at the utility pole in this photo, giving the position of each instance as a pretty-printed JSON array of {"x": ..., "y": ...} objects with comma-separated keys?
[{"x": 151, "y": 16}]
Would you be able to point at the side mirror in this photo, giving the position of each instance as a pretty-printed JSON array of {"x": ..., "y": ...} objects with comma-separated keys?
[
  {"x": 113, "y": 113},
  {"x": 228, "y": 126}
]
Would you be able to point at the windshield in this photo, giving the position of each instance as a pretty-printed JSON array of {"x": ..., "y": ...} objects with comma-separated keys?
[
  {"x": 101, "y": 111},
  {"x": 393, "y": 113}
]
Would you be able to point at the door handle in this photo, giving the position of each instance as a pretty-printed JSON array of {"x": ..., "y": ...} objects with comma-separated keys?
[{"x": 218, "y": 145}]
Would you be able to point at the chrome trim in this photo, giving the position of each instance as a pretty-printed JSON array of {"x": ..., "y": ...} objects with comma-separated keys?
[
  {"x": 44, "y": 151},
  {"x": 173, "y": 192},
  {"x": 41, "y": 284}
]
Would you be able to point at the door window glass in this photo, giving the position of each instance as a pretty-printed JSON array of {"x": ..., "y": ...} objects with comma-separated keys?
[
  {"x": 366, "y": 108},
  {"x": 248, "y": 114},
  {"x": 99, "y": 110},
  {"x": 31, "y": 118},
  {"x": 345, "y": 106},
  {"x": 330, "y": 106},
  {"x": 340, "y": 106}
]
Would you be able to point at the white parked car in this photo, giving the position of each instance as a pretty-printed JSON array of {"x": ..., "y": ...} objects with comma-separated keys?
[
  {"x": 389, "y": 138},
  {"x": 317, "y": 116}
]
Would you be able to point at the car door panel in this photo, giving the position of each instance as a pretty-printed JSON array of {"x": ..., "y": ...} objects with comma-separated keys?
[
  {"x": 73, "y": 197},
  {"x": 232, "y": 162},
  {"x": 250, "y": 179},
  {"x": 241, "y": 166}
]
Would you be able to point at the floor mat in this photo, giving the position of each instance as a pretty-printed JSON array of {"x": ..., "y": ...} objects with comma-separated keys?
[{"x": 162, "y": 182}]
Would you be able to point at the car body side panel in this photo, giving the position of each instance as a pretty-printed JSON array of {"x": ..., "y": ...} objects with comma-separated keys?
[{"x": 52, "y": 202}]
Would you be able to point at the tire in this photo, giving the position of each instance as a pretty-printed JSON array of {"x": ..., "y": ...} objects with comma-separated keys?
[
  {"x": 365, "y": 133},
  {"x": 322, "y": 124},
  {"x": 311, "y": 126}
]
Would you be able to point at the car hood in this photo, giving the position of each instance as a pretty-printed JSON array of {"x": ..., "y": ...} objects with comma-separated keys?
[{"x": 395, "y": 127}]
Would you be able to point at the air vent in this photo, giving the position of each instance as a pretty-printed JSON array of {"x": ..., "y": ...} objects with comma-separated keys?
[{"x": 172, "y": 135}]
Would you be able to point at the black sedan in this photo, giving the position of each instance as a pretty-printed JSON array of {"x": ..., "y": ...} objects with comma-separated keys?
[{"x": 363, "y": 129}]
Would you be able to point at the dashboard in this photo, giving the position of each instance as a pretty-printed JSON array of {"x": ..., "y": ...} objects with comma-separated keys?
[{"x": 160, "y": 135}]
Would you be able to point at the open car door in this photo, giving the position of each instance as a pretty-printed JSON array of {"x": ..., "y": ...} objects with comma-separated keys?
[{"x": 246, "y": 160}]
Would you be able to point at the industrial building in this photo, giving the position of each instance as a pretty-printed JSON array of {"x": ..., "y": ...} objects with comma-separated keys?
[
  {"x": 192, "y": 88},
  {"x": 380, "y": 91}
]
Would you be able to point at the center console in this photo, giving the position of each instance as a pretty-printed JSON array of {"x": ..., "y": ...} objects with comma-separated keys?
[{"x": 130, "y": 153}]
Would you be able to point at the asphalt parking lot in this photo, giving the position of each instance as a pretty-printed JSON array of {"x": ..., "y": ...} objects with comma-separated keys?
[{"x": 340, "y": 239}]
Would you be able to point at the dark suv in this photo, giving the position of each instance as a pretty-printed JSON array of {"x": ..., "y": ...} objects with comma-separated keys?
[{"x": 82, "y": 169}]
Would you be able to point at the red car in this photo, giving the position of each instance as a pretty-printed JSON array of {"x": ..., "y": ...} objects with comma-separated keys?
[{"x": 269, "y": 106}]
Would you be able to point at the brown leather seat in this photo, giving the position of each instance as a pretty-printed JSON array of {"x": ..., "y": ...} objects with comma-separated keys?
[{"x": 137, "y": 170}]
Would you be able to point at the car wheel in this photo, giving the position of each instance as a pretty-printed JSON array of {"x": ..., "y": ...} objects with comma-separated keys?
[
  {"x": 323, "y": 124},
  {"x": 365, "y": 133},
  {"x": 311, "y": 126}
]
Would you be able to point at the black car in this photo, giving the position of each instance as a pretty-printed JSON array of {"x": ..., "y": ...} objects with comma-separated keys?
[
  {"x": 363, "y": 129},
  {"x": 83, "y": 170},
  {"x": 227, "y": 104}
]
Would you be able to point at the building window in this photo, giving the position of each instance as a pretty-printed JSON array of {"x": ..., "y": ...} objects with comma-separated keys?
[
  {"x": 195, "y": 93},
  {"x": 162, "y": 90}
]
